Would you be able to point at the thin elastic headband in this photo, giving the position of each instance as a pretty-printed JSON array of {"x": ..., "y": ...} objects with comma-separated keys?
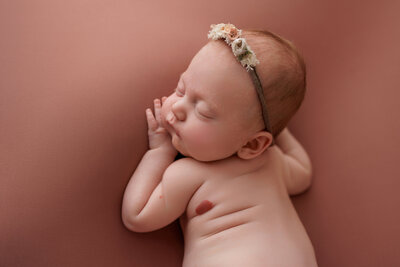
[{"x": 246, "y": 57}]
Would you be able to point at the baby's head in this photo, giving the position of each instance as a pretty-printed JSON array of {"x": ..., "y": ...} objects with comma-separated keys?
[{"x": 214, "y": 112}]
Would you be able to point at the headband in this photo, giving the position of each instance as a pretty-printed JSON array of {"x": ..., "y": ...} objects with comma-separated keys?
[{"x": 246, "y": 57}]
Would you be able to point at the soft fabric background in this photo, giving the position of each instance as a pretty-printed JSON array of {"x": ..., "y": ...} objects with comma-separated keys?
[{"x": 76, "y": 77}]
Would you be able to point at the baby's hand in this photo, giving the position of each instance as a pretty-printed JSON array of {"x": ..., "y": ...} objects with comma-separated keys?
[{"x": 158, "y": 135}]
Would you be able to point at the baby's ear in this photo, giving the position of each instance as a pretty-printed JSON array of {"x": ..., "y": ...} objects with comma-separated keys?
[{"x": 255, "y": 146}]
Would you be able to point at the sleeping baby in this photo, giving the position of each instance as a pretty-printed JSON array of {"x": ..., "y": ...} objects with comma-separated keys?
[{"x": 239, "y": 163}]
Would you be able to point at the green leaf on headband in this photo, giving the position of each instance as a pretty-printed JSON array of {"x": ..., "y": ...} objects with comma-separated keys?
[{"x": 241, "y": 56}]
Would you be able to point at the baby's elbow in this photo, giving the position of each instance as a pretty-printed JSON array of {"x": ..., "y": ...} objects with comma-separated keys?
[
  {"x": 132, "y": 227},
  {"x": 307, "y": 183},
  {"x": 131, "y": 224},
  {"x": 135, "y": 224},
  {"x": 301, "y": 184},
  {"x": 128, "y": 223}
]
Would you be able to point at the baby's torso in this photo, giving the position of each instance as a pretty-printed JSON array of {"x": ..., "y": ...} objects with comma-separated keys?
[{"x": 243, "y": 216}]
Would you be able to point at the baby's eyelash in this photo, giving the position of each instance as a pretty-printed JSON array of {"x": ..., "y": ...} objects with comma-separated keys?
[{"x": 201, "y": 114}]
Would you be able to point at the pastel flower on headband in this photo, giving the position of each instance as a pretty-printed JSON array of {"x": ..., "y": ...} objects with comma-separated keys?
[
  {"x": 228, "y": 32},
  {"x": 231, "y": 32},
  {"x": 231, "y": 35},
  {"x": 244, "y": 54}
]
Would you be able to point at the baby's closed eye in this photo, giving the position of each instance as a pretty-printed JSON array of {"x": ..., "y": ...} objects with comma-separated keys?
[{"x": 203, "y": 112}]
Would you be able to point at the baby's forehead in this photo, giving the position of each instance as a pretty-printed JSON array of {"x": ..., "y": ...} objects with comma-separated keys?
[
  {"x": 219, "y": 90},
  {"x": 216, "y": 64}
]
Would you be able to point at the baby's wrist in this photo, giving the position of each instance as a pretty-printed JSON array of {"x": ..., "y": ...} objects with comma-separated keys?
[{"x": 167, "y": 150}]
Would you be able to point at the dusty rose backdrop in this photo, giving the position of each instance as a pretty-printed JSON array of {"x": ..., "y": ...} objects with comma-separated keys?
[{"x": 76, "y": 77}]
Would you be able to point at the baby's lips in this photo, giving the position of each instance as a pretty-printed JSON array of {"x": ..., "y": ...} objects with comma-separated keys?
[{"x": 167, "y": 121}]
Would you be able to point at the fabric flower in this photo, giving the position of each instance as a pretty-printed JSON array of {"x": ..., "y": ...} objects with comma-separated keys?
[
  {"x": 231, "y": 32},
  {"x": 231, "y": 35},
  {"x": 244, "y": 54},
  {"x": 216, "y": 31},
  {"x": 224, "y": 31},
  {"x": 239, "y": 46}
]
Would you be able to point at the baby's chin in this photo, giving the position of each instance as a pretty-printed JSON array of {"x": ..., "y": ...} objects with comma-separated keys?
[
  {"x": 201, "y": 158},
  {"x": 175, "y": 143}
]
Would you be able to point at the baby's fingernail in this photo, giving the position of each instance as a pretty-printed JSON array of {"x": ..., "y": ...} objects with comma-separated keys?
[{"x": 170, "y": 117}]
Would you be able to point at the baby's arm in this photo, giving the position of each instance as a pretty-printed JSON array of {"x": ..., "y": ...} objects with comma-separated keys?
[
  {"x": 299, "y": 163},
  {"x": 157, "y": 192},
  {"x": 151, "y": 202}
]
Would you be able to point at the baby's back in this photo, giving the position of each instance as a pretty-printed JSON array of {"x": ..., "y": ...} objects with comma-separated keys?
[{"x": 242, "y": 216}]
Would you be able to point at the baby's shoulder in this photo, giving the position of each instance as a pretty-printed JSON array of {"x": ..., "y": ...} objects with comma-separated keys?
[
  {"x": 188, "y": 167},
  {"x": 186, "y": 163}
]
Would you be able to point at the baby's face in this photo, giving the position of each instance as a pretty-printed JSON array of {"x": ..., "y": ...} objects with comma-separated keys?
[{"x": 208, "y": 113}]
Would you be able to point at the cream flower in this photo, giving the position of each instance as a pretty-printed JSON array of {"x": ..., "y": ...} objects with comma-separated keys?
[
  {"x": 216, "y": 31},
  {"x": 231, "y": 35},
  {"x": 224, "y": 31},
  {"x": 239, "y": 46},
  {"x": 244, "y": 54},
  {"x": 231, "y": 32}
]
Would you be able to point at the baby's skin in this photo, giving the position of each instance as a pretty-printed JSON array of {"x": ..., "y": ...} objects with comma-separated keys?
[{"x": 231, "y": 191}]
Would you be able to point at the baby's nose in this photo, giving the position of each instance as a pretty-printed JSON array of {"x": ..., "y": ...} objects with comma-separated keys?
[{"x": 178, "y": 111}]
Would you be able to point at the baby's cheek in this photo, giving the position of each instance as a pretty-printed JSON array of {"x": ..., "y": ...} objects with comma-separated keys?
[{"x": 201, "y": 137}]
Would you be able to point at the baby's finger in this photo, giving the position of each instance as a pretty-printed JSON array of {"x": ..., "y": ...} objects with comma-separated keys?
[
  {"x": 151, "y": 122},
  {"x": 157, "y": 110},
  {"x": 163, "y": 99}
]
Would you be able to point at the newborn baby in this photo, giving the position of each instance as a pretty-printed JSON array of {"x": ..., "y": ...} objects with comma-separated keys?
[{"x": 231, "y": 189}]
